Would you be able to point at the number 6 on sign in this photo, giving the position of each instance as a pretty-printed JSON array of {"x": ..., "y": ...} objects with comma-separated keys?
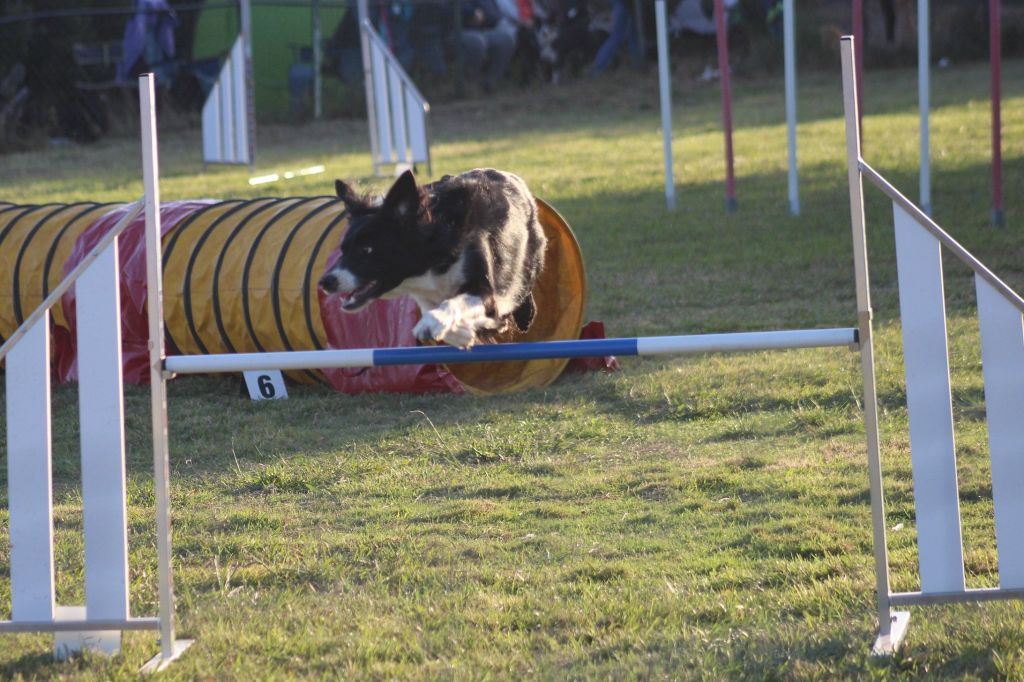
[{"x": 265, "y": 384}]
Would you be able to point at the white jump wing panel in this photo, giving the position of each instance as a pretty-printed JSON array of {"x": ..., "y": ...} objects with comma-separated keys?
[
  {"x": 226, "y": 112},
  {"x": 1002, "y": 362},
  {"x": 101, "y": 411},
  {"x": 29, "y": 468},
  {"x": 929, "y": 405},
  {"x": 398, "y": 115}
]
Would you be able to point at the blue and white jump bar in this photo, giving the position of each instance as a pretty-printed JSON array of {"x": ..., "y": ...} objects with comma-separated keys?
[{"x": 587, "y": 348}]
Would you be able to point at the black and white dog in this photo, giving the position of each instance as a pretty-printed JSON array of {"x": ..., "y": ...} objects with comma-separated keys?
[{"x": 468, "y": 249}]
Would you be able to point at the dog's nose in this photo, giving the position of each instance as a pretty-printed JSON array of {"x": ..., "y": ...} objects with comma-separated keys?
[{"x": 329, "y": 283}]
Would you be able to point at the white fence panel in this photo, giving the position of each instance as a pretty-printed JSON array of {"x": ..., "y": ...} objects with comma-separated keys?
[
  {"x": 101, "y": 414},
  {"x": 29, "y": 468},
  {"x": 226, "y": 129},
  {"x": 416, "y": 118},
  {"x": 398, "y": 116},
  {"x": 398, "y": 112},
  {"x": 1002, "y": 362},
  {"x": 929, "y": 405},
  {"x": 379, "y": 71}
]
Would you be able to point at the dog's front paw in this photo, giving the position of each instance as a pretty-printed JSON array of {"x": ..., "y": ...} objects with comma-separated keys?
[
  {"x": 432, "y": 326},
  {"x": 444, "y": 326},
  {"x": 461, "y": 334}
]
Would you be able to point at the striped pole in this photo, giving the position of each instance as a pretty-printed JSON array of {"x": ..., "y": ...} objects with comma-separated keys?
[{"x": 589, "y": 348}]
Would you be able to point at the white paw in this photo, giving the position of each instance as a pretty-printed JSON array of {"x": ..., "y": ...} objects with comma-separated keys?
[
  {"x": 454, "y": 322},
  {"x": 432, "y": 326},
  {"x": 436, "y": 325},
  {"x": 461, "y": 334}
]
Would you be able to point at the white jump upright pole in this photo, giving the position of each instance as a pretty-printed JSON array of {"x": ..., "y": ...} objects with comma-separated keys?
[
  {"x": 891, "y": 626},
  {"x": 665, "y": 90},
  {"x": 170, "y": 648},
  {"x": 923, "y": 102},
  {"x": 789, "y": 51}
]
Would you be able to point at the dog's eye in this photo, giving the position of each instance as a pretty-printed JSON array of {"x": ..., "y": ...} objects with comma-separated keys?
[{"x": 366, "y": 250}]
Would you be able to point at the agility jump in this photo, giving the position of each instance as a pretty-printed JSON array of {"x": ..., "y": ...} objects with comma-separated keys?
[{"x": 919, "y": 243}]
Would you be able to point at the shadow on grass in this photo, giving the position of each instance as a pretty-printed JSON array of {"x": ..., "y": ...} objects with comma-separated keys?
[{"x": 38, "y": 666}]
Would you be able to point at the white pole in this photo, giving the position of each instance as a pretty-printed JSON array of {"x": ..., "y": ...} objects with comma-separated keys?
[
  {"x": 789, "y": 49},
  {"x": 169, "y": 648},
  {"x": 889, "y": 629},
  {"x": 154, "y": 283},
  {"x": 923, "y": 104},
  {"x": 250, "y": 98},
  {"x": 666, "y": 103}
]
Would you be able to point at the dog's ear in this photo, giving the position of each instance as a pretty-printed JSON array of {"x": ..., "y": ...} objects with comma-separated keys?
[
  {"x": 403, "y": 199},
  {"x": 346, "y": 193}
]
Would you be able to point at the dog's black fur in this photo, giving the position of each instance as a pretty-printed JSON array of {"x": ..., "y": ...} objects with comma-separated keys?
[{"x": 467, "y": 248}]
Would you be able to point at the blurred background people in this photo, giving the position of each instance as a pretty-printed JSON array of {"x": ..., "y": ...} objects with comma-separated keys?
[{"x": 488, "y": 40}]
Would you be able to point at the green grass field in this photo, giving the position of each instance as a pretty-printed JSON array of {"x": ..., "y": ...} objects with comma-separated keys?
[{"x": 692, "y": 518}]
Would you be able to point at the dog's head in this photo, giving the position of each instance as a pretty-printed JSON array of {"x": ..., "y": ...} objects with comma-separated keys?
[{"x": 380, "y": 246}]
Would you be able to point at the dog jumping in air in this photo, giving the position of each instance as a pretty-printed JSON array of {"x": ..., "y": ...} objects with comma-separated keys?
[{"x": 467, "y": 248}]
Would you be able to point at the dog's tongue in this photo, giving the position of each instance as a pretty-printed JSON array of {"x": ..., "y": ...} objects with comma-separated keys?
[{"x": 358, "y": 296}]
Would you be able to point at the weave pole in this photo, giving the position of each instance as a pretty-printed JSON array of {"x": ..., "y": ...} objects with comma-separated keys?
[
  {"x": 721, "y": 32},
  {"x": 995, "y": 67},
  {"x": 665, "y": 92},
  {"x": 789, "y": 50}
]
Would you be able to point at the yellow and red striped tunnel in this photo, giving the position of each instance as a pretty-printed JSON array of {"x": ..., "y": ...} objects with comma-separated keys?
[{"x": 240, "y": 276}]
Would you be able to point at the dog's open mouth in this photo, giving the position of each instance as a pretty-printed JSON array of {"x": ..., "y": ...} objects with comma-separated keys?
[{"x": 362, "y": 295}]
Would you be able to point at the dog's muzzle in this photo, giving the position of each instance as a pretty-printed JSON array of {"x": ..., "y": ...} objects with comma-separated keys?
[
  {"x": 330, "y": 283},
  {"x": 359, "y": 292}
]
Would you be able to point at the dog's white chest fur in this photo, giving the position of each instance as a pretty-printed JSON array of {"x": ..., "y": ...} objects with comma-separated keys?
[{"x": 431, "y": 289}]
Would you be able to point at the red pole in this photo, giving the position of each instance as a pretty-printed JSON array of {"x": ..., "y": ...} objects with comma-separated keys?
[
  {"x": 997, "y": 152},
  {"x": 723, "y": 74}
]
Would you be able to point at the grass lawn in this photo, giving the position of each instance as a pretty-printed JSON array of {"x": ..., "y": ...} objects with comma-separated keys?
[{"x": 690, "y": 518}]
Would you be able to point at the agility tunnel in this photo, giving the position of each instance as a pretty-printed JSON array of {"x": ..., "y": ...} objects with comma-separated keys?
[
  {"x": 240, "y": 277},
  {"x": 35, "y": 242}
]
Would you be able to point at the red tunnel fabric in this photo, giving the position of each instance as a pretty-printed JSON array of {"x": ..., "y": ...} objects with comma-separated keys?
[{"x": 132, "y": 259}]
